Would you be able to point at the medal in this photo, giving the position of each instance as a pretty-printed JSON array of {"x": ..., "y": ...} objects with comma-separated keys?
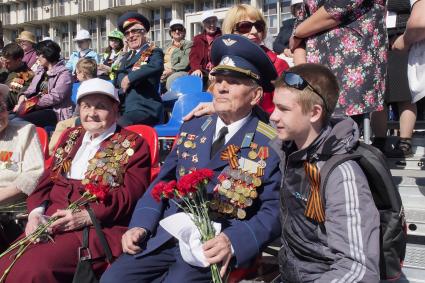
[
  {"x": 256, "y": 181},
  {"x": 187, "y": 144},
  {"x": 193, "y": 145},
  {"x": 241, "y": 213},
  {"x": 130, "y": 151},
  {"x": 252, "y": 155},
  {"x": 185, "y": 155},
  {"x": 125, "y": 144},
  {"x": 182, "y": 171},
  {"x": 226, "y": 184},
  {"x": 203, "y": 140},
  {"x": 195, "y": 158},
  {"x": 263, "y": 154}
]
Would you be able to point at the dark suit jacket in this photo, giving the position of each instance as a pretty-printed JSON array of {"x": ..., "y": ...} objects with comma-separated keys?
[
  {"x": 247, "y": 236},
  {"x": 141, "y": 104},
  {"x": 282, "y": 39},
  {"x": 114, "y": 215}
]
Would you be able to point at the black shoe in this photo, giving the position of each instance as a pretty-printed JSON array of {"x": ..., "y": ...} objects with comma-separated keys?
[
  {"x": 379, "y": 143},
  {"x": 403, "y": 149}
]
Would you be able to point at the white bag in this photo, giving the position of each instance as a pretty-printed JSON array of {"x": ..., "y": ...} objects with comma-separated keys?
[
  {"x": 181, "y": 227},
  {"x": 416, "y": 71}
]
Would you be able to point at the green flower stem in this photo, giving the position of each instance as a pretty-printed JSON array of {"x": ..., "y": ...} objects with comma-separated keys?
[{"x": 25, "y": 242}]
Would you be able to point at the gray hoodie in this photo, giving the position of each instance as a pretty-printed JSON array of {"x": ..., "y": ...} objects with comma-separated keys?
[{"x": 346, "y": 247}]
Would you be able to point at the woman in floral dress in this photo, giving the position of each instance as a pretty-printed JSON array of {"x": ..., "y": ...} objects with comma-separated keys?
[{"x": 350, "y": 38}]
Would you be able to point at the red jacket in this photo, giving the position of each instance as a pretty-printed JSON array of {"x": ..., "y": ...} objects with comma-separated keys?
[
  {"x": 280, "y": 66},
  {"x": 199, "y": 55},
  {"x": 114, "y": 215}
]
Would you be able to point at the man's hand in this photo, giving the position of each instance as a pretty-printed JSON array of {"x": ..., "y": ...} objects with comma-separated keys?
[
  {"x": 69, "y": 221},
  {"x": 197, "y": 73},
  {"x": 34, "y": 220},
  {"x": 125, "y": 84},
  {"x": 295, "y": 42},
  {"x": 399, "y": 44},
  {"x": 203, "y": 108},
  {"x": 131, "y": 239},
  {"x": 218, "y": 250}
]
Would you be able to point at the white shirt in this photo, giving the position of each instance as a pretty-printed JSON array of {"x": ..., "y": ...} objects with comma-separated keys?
[
  {"x": 87, "y": 150},
  {"x": 233, "y": 128}
]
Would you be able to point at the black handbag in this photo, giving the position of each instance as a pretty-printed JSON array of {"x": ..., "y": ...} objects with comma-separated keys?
[{"x": 84, "y": 272}]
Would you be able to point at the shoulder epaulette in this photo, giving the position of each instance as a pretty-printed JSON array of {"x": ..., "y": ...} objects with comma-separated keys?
[{"x": 266, "y": 130}]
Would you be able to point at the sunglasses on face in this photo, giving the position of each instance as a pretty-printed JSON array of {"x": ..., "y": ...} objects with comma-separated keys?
[
  {"x": 178, "y": 28},
  {"x": 246, "y": 26},
  {"x": 298, "y": 82},
  {"x": 134, "y": 32}
]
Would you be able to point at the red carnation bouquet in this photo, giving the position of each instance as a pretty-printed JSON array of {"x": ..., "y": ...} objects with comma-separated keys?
[
  {"x": 92, "y": 193},
  {"x": 190, "y": 195}
]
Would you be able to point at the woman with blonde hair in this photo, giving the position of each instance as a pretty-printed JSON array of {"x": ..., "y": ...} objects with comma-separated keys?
[{"x": 248, "y": 21}]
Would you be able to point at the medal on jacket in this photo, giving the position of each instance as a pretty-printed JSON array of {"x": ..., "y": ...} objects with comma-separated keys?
[
  {"x": 62, "y": 162},
  {"x": 108, "y": 164}
]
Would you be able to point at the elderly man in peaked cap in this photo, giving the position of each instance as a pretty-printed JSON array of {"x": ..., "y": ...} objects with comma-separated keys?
[
  {"x": 244, "y": 195},
  {"x": 138, "y": 77}
]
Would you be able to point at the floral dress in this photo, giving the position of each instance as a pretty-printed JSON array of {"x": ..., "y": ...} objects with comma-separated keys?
[{"x": 355, "y": 50}]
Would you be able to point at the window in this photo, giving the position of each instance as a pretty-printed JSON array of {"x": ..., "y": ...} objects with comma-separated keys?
[
  {"x": 270, "y": 13},
  {"x": 38, "y": 34},
  {"x": 103, "y": 36},
  {"x": 206, "y": 5},
  {"x": 285, "y": 10},
  {"x": 34, "y": 10},
  {"x": 245, "y": 2},
  {"x": 25, "y": 9},
  {"x": 92, "y": 27},
  {"x": 224, "y": 3},
  {"x": 6, "y": 14},
  {"x": 61, "y": 8},
  {"x": 189, "y": 8},
  {"x": 64, "y": 39},
  {"x": 156, "y": 27},
  {"x": 167, "y": 18}
]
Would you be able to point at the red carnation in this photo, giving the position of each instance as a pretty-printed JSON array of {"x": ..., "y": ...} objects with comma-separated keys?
[
  {"x": 157, "y": 191},
  {"x": 99, "y": 191},
  {"x": 168, "y": 191}
]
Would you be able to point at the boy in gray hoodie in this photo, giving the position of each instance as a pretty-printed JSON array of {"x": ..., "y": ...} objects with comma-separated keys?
[{"x": 334, "y": 238}]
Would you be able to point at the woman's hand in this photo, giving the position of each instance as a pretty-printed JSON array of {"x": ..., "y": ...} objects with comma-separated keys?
[
  {"x": 399, "y": 44},
  {"x": 69, "y": 221},
  {"x": 34, "y": 220},
  {"x": 197, "y": 73},
  {"x": 21, "y": 100},
  {"x": 203, "y": 108}
]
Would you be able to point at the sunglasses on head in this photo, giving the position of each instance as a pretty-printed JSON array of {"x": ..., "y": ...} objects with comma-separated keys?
[
  {"x": 177, "y": 28},
  {"x": 298, "y": 82},
  {"x": 134, "y": 31},
  {"x": 246, "y": 26}
]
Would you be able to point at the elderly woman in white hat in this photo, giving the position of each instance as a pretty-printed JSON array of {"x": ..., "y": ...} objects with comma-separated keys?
[
  {"x": 27, "y": 41},
  {"x": 82, "y": 40},
  {"x": 176, "y": 53},
  {"x": 21, "y": 165},
  {"x": 199, "y": 57},
  {"x": 98, "y": 155}
]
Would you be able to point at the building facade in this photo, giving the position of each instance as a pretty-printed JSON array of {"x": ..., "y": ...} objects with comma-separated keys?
[{"x": 61, "y": 19}]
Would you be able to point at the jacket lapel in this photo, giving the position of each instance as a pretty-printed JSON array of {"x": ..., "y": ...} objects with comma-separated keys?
[
  {"x": 136, "y": 57},
  {"x": 249, "y": 127},
  {"x": 205, "y": 148}
]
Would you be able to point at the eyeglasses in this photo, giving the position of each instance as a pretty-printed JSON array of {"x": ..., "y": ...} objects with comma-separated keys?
[
  {"x": 134, "y": 31},
  {"x": 298, "y": 82},
  {"x": 246, "y": 26},
  {"x": 178, "y": 28}
]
